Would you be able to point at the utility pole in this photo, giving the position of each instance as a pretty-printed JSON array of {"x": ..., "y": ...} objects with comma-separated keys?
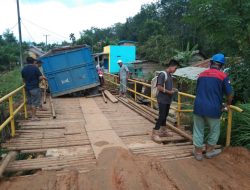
[
  {"x": 20, "y": 33},
  {"x": 46, "y": 40}
]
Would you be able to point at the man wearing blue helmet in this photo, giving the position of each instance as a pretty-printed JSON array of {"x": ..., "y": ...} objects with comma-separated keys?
[{"x": 212, "y": 84}]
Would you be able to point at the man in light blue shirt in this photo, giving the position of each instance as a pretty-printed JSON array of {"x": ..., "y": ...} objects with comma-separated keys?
[{"x": 123, "y": 76}]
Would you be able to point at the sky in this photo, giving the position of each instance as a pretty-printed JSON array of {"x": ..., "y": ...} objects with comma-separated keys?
[{"x": 59, "y": 18}]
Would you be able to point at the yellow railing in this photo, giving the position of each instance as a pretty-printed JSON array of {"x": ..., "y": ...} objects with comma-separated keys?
[
  {"x": 114, "y": 80},
  {"x": 12, "y": 112}
]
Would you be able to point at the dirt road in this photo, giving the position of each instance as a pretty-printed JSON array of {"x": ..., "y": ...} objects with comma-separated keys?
[
  {"x": 230, "y": 170},
  {"x": 118, "y": 169}
]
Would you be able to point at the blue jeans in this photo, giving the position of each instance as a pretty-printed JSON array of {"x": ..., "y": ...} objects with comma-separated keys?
[
  {"x": 198, "y": 131},
  {"x": 34, "y": 97}
]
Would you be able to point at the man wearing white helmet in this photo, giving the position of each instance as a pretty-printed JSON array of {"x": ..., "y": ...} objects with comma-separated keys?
[
  {"x": 123, "y": 76},
  {"x": 212, "y": 84}
]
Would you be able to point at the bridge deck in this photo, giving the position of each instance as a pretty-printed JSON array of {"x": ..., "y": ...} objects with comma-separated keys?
[{"x": 83, "y": 127}]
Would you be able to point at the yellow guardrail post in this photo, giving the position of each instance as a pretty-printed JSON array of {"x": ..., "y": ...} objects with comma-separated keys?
[
  {"x": 12, "y": 112},
  {"x": 229, "y": 127},
  {"x": 12, "y": 122},
  {"x": 151, "y": 100},
  {"x": 135, "y": 89},
  {"x": 25, "y": 104},
  {"x": 229, "y": 122},
  {"x": 179, "y": 110}
]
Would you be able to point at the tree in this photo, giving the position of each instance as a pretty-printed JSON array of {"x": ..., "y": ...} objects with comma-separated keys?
[
  {"x": 184, "y": 57},
  {"x": 157, "y": 48},
  {"x": 9, "y": 51},
  {"x": 223, "y": 26},
  {"x": 72, "y": 38}
]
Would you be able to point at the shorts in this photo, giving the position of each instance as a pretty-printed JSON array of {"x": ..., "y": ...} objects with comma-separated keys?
[{"x": 34, "y": 97}]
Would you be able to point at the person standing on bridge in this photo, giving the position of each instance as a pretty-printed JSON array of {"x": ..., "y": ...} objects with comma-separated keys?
[
  {"x": 43, "y": 85},
  {"x": 212, "y": 84},
  {"x": 31, "y": 76},
  {"x": 164, "y": 98},
  {"x": 123, "y": 77}
]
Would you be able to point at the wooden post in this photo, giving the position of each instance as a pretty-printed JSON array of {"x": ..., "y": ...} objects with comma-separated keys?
[
  {"x": 44, "y": 96},
  {"x": 25, "y": 104},
  {"x": 229, "y": 127},
  {"x": 179, "y": 131},
  {"x": 12, "y": 122},
  {"x": 179, "y": 111},
  {"x": 53, "y": 108},
  {"x": 10, "y": 156},
  {"x": 151, "y": 100},
  {"x": 135, "y": 89}
]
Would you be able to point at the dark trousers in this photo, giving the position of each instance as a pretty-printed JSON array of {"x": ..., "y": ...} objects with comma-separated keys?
[{"x": 163, "y": 113}]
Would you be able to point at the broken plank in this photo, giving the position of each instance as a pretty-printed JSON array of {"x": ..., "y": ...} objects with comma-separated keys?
[
  {"x": 7, "y": 159},
  {"x": 110, "y": 96},
  {"x": 104, "y": 97}
]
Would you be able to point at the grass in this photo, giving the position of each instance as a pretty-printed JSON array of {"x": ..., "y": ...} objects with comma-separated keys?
[
  {"x": 240, "y": 134},
  {"x": 241, "y": 127},
  {"x": 10, "y": 81}
]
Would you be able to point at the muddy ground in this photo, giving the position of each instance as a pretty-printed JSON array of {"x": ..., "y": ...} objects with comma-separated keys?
[{"x": 118, "y": 169}]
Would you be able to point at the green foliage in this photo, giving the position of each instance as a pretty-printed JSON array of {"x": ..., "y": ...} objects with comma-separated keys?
[
  {"x": 9, "y": 51},
  {"x": 72, "y": 38},
  {"x": 149, "y": 76},
  {"x": 240, "y": 134},
  {"x": 186, "y": 85},
  {"x": 98, "y": 38},
  {"x": 158, "y": 48},
  {"x": 10, "y": 81},
  {"x": 241, "y": 127},
  {"x": 184, "y": 57},
  {"x": 239, "y": 77},
  {"x": 221, "y": 25}
]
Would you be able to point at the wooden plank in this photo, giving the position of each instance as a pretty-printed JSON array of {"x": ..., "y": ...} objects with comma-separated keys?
[
  {"x": 89, "y": 106},
  {"x": 42, "y": 127},
  {"x": 179, "y": 131},
  {"x": 104, "y": 97},
  {"x": 152, "y": 119},
  {"x": 104, "y": 139},
  {"x": 95, "y": 122},
  {"x": 7, "y": 159},
  {"x": 95, "y": 119},
  {"x": 52, "y": 107},
  {"x": 87, "y": 147},
  {"x": 39, "y": 146},
  {"x": 49, "y": 164},
  {"x": 110, "y": 96}
]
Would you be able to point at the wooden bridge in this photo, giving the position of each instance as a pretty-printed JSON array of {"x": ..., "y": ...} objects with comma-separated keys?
[{"x": 82, "y": 129}]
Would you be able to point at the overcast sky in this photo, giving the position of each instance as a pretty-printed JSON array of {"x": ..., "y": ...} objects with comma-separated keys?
[{"x": 59, "y": 18}]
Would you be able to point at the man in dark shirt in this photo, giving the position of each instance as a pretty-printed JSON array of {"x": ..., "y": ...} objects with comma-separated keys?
[
  {"x": 31, "y": 76},
  {"x": 164, "y": 99},
  {"x": 212, "y": 84}
]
